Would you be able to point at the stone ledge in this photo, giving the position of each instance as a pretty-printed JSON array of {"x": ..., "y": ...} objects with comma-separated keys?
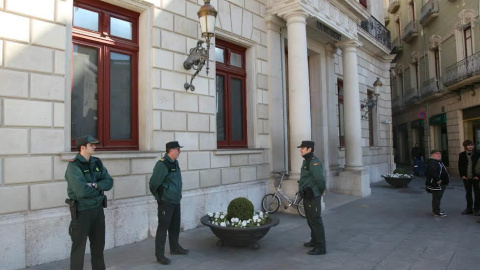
[
  {"x": 66, "y": 156},
  {"x": 237, "y": 152}
]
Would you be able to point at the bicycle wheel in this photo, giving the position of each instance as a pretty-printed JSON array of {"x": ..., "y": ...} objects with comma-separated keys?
[
  {"x": 270, "y": 203},
  {"x": 301, "y": 209}
]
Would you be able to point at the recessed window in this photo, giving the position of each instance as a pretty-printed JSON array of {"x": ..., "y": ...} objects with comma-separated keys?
[
  {"x": 231, "y": 95},
  {"x": 105, "y": 75}
]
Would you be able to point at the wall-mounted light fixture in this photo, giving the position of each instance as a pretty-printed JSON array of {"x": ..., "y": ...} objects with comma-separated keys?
[
  {"x": 199, "y": 55},
  {"x": 371, "y": 102}
]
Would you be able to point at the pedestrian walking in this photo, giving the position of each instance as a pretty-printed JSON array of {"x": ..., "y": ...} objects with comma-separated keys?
[
  {"x": 312, "y": 187},
  {"x": 166, "y": 187},
  {"x": 87, "y": 180},
  {"x": 437, "y": 179},
  {"x": 467, "y": 160}
]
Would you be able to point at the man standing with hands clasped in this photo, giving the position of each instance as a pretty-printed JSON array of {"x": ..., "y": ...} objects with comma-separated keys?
[
  {"x": 166, "y": 186},
  {"x": 466, "y": 168},
  {"x": 312, "y": 187},
  {"x": 87, "y": 179}
]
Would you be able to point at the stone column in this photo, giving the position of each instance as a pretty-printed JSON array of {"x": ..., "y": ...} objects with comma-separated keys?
[
  {"x": 298, "y": 86},
  {"x": 351, "y": 101},
  {"x": 354, "y": 180}
]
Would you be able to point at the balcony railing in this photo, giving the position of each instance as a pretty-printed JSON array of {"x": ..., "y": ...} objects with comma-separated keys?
[
  {"x": 397, "y": 45},
  {"x": 377, "y": 30},
  {"x": 431, "y": 87},
  {"x": 412, "y": 96},
  {"x": 410, "y": 31},
  {"x": 429, "y": 11},
  {"x": 394, "y": 5},
  {"x": 397, "y": 104},
  {"x": 462, "y": 70}
]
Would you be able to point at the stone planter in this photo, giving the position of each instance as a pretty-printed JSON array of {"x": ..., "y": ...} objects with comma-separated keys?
[
  {"x": 240, "y": 236},
  {"x": 398, "y": 182}
]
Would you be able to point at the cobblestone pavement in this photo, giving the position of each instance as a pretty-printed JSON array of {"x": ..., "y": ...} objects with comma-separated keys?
[{"x": 392, "y": 229}]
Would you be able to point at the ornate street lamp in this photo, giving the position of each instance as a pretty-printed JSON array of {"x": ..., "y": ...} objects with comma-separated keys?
[
  {"x": 199, "y": 55},
  {"x": 371, "y": 102}
]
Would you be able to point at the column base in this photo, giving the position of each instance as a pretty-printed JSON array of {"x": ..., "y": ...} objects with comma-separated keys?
[{"x": 356, "y": 183}]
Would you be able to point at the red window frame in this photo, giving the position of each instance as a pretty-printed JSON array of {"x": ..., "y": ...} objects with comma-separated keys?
[
  {"x": 371, "y": 139},
  {"x": 229, "y": 71},
  {"x": 363, "y": 3},
  {"x": 340, "y": 120},
  {"x": 106, "y": 43}
]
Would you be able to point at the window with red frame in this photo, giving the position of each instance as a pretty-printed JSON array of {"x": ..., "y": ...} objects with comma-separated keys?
[
  {"x": 363, "y": 3},
  {"x": 341, "y": 124},
  {"x": 231, "y": 95},
  {"x": 105, "y": 75},
  {"x": 371, "y": 132}
]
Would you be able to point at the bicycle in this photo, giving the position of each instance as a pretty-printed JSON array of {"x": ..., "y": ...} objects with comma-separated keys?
[{"x": 271, "y": 202}]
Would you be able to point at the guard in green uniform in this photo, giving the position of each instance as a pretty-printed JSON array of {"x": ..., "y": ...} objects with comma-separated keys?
[
  {"x": 166, "y": 186},
  {"x": 87, "y": 180},
  {"x": 312, "y": 187}
]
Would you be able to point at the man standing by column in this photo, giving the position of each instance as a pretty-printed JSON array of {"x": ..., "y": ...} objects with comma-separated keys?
[
  {"x": 87, "y": 180},
  {"x": 466, "y": 168},
  {"x": 166, "y": 186},
  {"x": 312, "y": 187}
]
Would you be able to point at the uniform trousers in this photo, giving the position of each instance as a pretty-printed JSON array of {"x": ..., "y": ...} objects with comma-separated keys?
[
  {"x": 313, "y": 210},
  {"x": 472, "y": 184},
  {"x": 436, "y": 199},
  {"x": 89, "y": 223},
  {"x": 168, "y": 220}
]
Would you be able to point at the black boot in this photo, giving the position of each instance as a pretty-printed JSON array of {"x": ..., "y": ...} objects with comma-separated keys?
[
  {"x": 316, "y": 251},
  {"x": 467, "y": 211}
]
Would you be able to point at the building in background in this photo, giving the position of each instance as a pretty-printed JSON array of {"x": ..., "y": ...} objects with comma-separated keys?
[
  {"x": 280, "y": 72},
  {"x": 435, "y": 95}
]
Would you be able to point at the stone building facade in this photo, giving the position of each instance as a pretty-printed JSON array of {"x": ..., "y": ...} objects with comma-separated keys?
[
  {"x": 434, "y": 83},
  {"x": 290, "y": 71}
]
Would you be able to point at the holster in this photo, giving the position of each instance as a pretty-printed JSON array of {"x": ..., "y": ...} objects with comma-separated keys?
[
  {"x": 308, "y": 193},
  {"x": 73, "y": 208},
  {"x": 104, "y": 203}
]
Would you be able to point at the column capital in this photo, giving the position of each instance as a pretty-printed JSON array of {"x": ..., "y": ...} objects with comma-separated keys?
[
  {"x": 350, "y": 43},
  {"x": 331, "y": 49},
  {"x": 274, "y": 23},
  {"x": 297, "y": 16}
]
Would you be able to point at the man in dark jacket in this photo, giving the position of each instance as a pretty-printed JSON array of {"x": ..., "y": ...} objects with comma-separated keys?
[
  {"x": 466, "y": 168},
  {"x": 437, "y": 179},
  {"x": 166, "y": 187},
  {"x": 87, "y": 179},
  {"x": 312, "y": 187}
]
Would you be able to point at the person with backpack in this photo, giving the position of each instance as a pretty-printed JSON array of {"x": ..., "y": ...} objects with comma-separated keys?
[
  {"x": 437, "y": 179},
  {"x": 87, "y": 179},
  {"x": 166, "y": 186},
  {"x": 467, "y": 160}
]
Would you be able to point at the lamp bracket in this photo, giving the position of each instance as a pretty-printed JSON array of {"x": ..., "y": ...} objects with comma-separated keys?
[
  {"x": 196, "y": 60},
  {"x": 459, "y": 92}
]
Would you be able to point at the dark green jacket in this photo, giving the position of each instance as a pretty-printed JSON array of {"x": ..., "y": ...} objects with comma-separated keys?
[
  {"x": 167, "y": 176},
  {"x": 77, "y": 177},
  {"x": 312, "y": 175}
]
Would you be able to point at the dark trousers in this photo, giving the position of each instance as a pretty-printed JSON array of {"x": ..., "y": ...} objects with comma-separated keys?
[
  {"x": 168, "y": 220},
  {"x": 89, "y": 223},
  {"x": 436, "y": 199},
  {"x": 313, "y": 210},
  {"x": 472, "y": 185}
]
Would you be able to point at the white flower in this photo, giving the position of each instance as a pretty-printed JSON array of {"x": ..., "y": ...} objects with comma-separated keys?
[
  {"x": 222, "y": 216},
  {"x": 244, "y": 223},
  {"x": 223, "y": 224},
  {"x": 217, "y": 215},
  {"x": 210, "y": 214}
]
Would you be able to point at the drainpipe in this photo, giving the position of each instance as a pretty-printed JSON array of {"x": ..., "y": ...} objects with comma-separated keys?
[{"x": 284, "y": 93}]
